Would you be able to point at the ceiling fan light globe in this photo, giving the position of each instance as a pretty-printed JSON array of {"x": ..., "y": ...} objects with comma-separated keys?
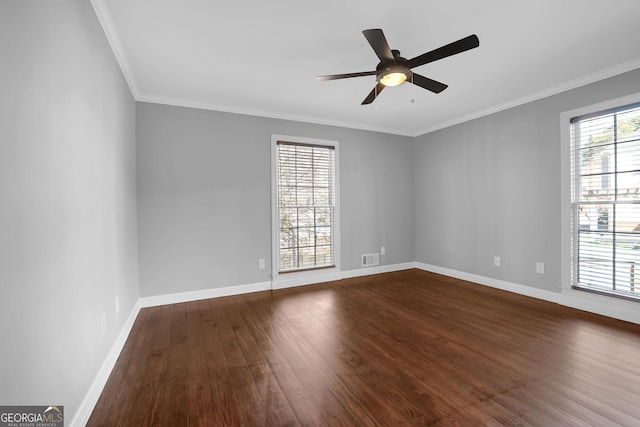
[
  {"x": 393, "y": 79},
  {"x": 393, "y": 75}
]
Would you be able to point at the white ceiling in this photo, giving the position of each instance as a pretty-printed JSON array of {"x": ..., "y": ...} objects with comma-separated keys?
[{"x": 262, "y": 57}]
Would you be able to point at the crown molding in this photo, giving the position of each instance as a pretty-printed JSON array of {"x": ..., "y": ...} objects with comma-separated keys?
[
  {"x": 554, "y": 90},
  {"x": 236, "y": 109},
  {"x": 104, "y": 16}
]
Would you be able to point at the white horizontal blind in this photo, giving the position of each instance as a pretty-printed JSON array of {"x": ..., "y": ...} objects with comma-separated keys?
[
  {"x": 606, "y": 201},
  {"x": 306, "y": 205}
]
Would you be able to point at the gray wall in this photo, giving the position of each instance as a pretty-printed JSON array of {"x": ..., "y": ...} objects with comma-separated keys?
[
  {"x": 68, "y": 206},
  {"x": 204, "y": 209},
  {"x": 491, "y": 186}
]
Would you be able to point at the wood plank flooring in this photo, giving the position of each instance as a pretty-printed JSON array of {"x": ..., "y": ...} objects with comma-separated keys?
[{"x": 402, "y": 348}]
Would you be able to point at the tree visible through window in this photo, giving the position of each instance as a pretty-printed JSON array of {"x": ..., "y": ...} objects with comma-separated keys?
[
  {"x": 305, "y": 205},
  {"x": 606, "y": 201}
]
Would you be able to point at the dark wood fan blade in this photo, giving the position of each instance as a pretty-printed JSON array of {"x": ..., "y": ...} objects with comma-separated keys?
[
  {"x": 427, "y": 83},
  {"x": 372, "y": 95},
  {"x": 459, "y": 46},
  {"x": 378, "y": 42},
  {"x": 346, "y": 76}
]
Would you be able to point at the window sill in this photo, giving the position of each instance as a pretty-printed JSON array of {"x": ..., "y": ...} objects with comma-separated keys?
[
  {"x": 300, "y": 270},
  {"x": 608, "y": 294}
]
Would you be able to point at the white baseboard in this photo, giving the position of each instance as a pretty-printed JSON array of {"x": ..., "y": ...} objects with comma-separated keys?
[
  {"x": 358, "y": 272},
  {"x": 494, "y": 283},
  {"x": 291, "y": 280},
  {"x": 203, "y": 294},
  {"x": 603, "y": 305},
  {"x": 318, "y": 276},
  {"x": 81, "y": 417}
]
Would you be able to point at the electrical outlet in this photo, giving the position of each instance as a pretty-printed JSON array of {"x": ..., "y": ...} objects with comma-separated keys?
[
  {"x": 104, "y": 323},
  {"x": 540, "y": 267},
  {"x": 261, "y": 264},
  {"x": 382, "y": 250},
  {"x": 497, "y": 261},
  {"x": 117, "y": 305}
]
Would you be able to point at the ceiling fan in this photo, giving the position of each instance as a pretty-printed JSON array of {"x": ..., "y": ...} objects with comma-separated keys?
[{"x": 393, "y": 69}]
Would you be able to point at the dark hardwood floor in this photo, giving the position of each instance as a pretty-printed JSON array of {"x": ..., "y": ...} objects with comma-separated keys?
[{"x": 403, "y": 348}]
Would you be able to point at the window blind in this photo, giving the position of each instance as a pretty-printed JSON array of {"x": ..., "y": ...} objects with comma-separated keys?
[
  {"x": 306, "y": 205},
  {"x": 606, "y": 201}
]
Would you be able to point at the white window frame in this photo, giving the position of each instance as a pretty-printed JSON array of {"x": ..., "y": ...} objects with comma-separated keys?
[
  {"x": 314, "y": 275},
  {"x": 568, "y": 235}
]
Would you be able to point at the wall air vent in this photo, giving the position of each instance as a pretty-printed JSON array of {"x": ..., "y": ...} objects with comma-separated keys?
[{"x": 370, "y": 259}]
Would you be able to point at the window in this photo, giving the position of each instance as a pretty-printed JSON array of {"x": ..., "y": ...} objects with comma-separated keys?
[
  {"x": 605, "y": 201},
  {"x": 305, "y": 204}
]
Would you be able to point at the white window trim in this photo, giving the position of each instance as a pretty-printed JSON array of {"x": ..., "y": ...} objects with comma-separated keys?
[
  {"x": 566, "y": 196},
  {"x": 304, "y": 277}
]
